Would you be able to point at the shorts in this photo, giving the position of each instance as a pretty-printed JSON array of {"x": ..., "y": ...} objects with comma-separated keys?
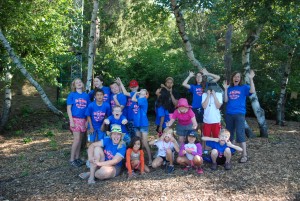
[
  {"x": 130, "y": 129},
  {"x": 211, "y": 130},
  {"x": 118, "y": 170},
  {"x": 183, "y": 130},
  {"x": 127, "y": 139},
  {"x": 221, "y": 160},
  {"x": 199, "y": 112},
  {"x": 164, "y": 158},
  {"x": 79, "y": 125},
  {"x": 97, "y": 135},
  {"x": 142, "y": 129},
  {"x": 235, "y": 123}
]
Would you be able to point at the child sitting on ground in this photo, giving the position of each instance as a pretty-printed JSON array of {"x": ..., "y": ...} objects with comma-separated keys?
[
  {"x": 166, "y": 145},
  {"x": 190, "y": 154},
  {"x": 117, "y": 118},
  {"x": 222, "y": 149},
  {"x": 135, "y": 157}
]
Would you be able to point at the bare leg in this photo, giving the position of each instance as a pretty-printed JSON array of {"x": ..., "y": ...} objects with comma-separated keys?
[
  {"x": 75, "y": 144},
  {"x": 96, "y": 155},
  {"x": 146, "y": 145},
  {"x": 227, "y": 154}
]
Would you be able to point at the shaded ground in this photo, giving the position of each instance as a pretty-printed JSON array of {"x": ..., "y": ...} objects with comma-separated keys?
[{"x": 34, "y": 166}]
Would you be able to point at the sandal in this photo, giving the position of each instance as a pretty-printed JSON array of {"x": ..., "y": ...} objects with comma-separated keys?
[
  {"x": 243, "y": 159},
  {"x": 91, "y": 181},
  {"x": 84, "y": 175}
]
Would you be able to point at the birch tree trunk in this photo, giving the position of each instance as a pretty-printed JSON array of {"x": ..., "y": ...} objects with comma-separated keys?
[
  {"x": 20, "y": 66},
  {"x": 7, "y": 99},
  {"x": 91, "y": 54},
  {"x": 282, "y": 98},
  {"x": 258, "y": 111},
  {"x": 180, "y": 23},
  {"x": 228, "y": 54}
]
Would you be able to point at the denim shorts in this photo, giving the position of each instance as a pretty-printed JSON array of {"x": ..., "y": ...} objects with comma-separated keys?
[
  {"x": 183, "y": 130},
  {"x": 142, "y": 129},
  {"x": 235, "y": 123}
]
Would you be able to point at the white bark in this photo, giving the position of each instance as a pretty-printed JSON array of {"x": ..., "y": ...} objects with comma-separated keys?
[
  {"x": 91, "y": 54},
  {"x": 258, "y": 111},
  {"x": 23, "y": 70},
  {"x": 7, "y": 100}
]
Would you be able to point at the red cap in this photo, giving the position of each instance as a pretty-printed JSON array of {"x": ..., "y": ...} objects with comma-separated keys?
[{"x": 133, "y": 83}]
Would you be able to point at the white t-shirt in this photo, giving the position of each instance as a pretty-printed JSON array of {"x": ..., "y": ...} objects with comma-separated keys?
[
  {"x": 211, "y": 113},
  {"x": 163, "y": 146},
  {"x": 191, "y": 147}
]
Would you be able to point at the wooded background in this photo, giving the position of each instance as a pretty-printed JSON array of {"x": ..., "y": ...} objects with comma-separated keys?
[{"x": 139, "y": 40}]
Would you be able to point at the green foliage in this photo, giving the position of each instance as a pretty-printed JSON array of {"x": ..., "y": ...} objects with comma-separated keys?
[
  {"x": 19, "y": 132},
  {"x": 53, "y": 144},
  {"x": 27, "y": 140},
  {"x": 49, "y": 134}
]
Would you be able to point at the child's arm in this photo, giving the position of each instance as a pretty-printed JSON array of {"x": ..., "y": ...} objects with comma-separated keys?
[
  {"x": 182, "y": 151},
  {"x": 210, "y": 139},
  {"x": 229, "y": 144},
  {"x": 69, "y": 111},
  {"x": 142, "y": 161},
  {"x": 199, "y": 150},
  {"x": 90, "y": 123},
  {"x": 161, "y": 122},
  {"x": 169, "y": 123},
  {"x": 125, "y": 92},
  {"x": 134, "y": 99},
  {"x": 152, "y": 142},
  {"x": 116, "y": 159},
  {"x": 128, "y": 162},
  {"x": 185, "y": 82},
  {"x": 195, "y": 124},
  {"x": 176, "y": 146}
]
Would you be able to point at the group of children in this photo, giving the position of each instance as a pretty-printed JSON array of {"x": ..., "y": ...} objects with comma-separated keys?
[{"x": 106, "y": 109}]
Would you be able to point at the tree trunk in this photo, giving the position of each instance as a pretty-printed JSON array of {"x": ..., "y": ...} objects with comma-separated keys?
[
  {"x": 228, "y": 55},
  {"x": 282, "y": 97},
  {"x": 91, "y": 55},
  {"x": 7, "y": 99},
  {"x": 19, "y": 65},
  {"x": 258, "y": 111},
  {"x": 186, "y": 42}
]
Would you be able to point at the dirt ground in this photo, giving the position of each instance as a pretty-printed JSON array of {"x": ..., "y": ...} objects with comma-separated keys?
[
  {"x": 35, "y": 150},
  {"x": 34, "y": 166}
]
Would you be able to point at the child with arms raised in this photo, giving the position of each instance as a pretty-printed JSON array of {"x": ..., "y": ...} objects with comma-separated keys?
[
  {"x": 166, "y": 145},
  {"x": 135, "y": 157},
  {"x": 222, "y": 149},
  {"x": 190, "y": 154}
]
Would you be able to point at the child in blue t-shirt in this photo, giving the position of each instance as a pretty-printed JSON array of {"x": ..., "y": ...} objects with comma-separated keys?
[
  {"x": 77, "y": 104},
  {"x": 98, "y": 84},
  {"x": 96, "y": 113},
  {"x": 117, "y": 98},
  {"x": 118, "y": 119},
  {"x": 222, "y": 149},
  {"x": 162, "y": 108}
]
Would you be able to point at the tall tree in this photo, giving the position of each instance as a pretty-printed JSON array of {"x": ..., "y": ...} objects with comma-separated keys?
[
  {"x": 7, "y": 98},
  {"x": 92, "y": 41},
  {"x": 28, "y": 76}
]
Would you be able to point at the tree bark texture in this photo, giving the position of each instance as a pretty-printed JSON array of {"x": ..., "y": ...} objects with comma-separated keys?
[
  {"x": 282, "y": 98},
  {"x": 228, "y": 54},
  {"x": 258, "y": 111},
  {"x": 23, "y": 70},
  {"x": 92, "y": 39},
  {"x": 7, "y": 100}
]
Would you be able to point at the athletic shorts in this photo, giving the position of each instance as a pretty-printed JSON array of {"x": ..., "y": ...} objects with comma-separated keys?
[
  {"x": 97, "y": 135},
  {"x": 211, "y": 130},
  {"x": 79, "y": 125}
]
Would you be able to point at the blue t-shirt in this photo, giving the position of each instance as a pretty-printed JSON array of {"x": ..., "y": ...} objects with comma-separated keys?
[
  {"x": 237, "y": 99},
  {"x": 112, "y": 121},
  {"x": 197, "y": 92},
  {"x": 219, "y": 148},
  {"x": 141, "y": 117},
  {"x": 97, "y": 113},
  {"x": 110, "y": 150},
  {"x": 106, "y": 97},
  {"x": 79, "y": 103},
  {"x": 161, "y": 112}
]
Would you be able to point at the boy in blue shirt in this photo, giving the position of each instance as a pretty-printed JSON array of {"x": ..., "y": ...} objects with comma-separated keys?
[
  {"x": 222, "y": 149},
  {"x": 96, "y": 113}
]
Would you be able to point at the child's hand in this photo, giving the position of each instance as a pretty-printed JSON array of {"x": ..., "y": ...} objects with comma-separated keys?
[
  {"x": 91, "y": 130},
  {"x": 124, "y": 121},
  {"x": 251, "y": 74},
  {"x": 225, "y": 85},
  {"x": 191, "y": 74},
  {"x": 106, "y": 121},
  {"x": 228, "y": 143},
  {"x": 72, "y": 124},
  {"x": 195, "y": 126},
  {"x": 184, "y": 152}
]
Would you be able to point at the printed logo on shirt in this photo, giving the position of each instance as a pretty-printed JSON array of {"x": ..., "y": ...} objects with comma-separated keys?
[
  {"x": 112, "y": 103},
  {"x": 135, "y": 109},
  {"x": 81, "y": 103},
  {"x": 199, "y": 91},
  {"x": 109, "y": 155},
  {"x": 99, "y": 115},
  {"x": 234, "y": 94},
  {"x": 105, "y": 97},
  {"x": 129, "y": 101}
]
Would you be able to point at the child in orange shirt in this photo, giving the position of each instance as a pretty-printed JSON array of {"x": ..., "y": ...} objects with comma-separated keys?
[{"x": 135, "y": 157}]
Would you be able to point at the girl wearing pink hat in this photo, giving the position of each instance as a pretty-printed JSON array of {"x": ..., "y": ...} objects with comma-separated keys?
[{"x": 186, "y": 119}]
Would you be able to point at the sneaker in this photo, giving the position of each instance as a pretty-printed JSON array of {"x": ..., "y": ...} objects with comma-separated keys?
[
  {"x": 205, "y": 152},
  {"x": 227, "y": 166},
  {"x": 214, "y": 166},
  {"x": 170, "y": 169},
  {"x": 74, "y": 163},
  {"x": 186, "y": 168},
  {"x": 79, "y": 162},
  {"x": 199, "y": 170}
]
